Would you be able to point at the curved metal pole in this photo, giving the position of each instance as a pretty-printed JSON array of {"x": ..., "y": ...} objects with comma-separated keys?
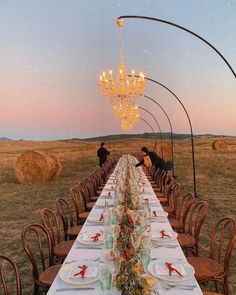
[
  {"x": 171, "y": 131},
  {"x": 158, "y": 125},
  {"x": 190, "y": 125},
  {"x": 184, "y": 29},
  {"x": 151, "y": 129}
]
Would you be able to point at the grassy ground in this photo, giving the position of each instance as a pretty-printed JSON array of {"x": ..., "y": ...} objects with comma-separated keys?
[{"x": 20, "y": 204}]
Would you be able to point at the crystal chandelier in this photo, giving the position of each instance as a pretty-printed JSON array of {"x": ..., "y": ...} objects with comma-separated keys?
[
  {"x": 122, "y": 87},
  {"x": 129, "y": 116}
]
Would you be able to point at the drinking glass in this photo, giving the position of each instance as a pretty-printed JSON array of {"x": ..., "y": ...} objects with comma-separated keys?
[{"x": 105, "y": 277}]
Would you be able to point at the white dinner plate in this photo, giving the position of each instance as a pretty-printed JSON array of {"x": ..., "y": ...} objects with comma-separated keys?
[
  {"x": 101, "y": 203},
  {"x": 95, "y": 218},
  {"x": 80, "y": 239},
  {"x": 175, "y": 279},
  {"x": 67, "y": 269},
  {"x": 155, "y": 237}
]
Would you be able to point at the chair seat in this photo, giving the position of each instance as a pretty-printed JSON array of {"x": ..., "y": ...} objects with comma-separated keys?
[
  {"x": 186, "y": 240},
  {"x": 62, "y": 249},
  {"x": 83, "y": 216},
  {"x": 47, "y": 277},
  {"x": 163, "y": 200},
  {"x": 94, "y": 199},
  {"x": 168, "y": 209},
  {"x": 90, "y": 205},
  {"x": 160, "y": 194},
  {"x": 155, "y": 188},
  {"x": 98, "y": 192},
  {"x": 205, "y": 268},
  {"x": 74, "y": 230},
  {"x": 176, "y": 223}
]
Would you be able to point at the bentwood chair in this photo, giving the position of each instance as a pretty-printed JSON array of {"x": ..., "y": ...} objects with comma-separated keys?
[
  {"x": 216, "y": 267},
  {"x": 177, "y": 222},
  {"x": 51, "y": 222},
  {"x": 85, "y": 191},
  {"x": 71, "y": 229},
  {"x": 79, "y": 203},
  {"x": 5, "y": 263},
  {"x": 37, "y": 244},
  {"x": 171, "y": 208},
  {"x": 189, "y": 239},
  {"x": 211, "y": 293}
]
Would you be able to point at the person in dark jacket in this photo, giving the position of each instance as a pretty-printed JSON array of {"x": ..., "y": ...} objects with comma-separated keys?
[
  {"x": 102, "y": 153},
  {"x": 156, "y": 160}
]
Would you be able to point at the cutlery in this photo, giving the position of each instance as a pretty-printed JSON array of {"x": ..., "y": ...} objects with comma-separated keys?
[{"x": 72, "y": 261}]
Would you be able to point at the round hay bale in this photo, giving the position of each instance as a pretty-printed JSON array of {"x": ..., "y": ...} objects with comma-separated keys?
[
  {"x": 165, "y": 147},
  {"x": 33, "y": 167},
  {"x": 219, "y": 145}
]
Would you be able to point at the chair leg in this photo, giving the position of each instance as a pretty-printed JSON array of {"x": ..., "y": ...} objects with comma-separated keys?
[
  {"x": 226, "y": 285},
  {"x": 36, "y": 289}
]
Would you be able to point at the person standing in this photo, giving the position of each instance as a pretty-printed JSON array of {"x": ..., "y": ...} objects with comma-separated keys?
[
  {"x": 153, "y": 158},
  {"x": 102, "y": 154}
]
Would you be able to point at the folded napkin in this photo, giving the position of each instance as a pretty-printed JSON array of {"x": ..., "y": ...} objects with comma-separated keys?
[
  {"x": 83, "y": 271},
  {"x": 163, "y": 270},
  {"x": 97, "y": 217},
  {"x": 90, "y": 237},
  {"x": 162, "y": 234}
]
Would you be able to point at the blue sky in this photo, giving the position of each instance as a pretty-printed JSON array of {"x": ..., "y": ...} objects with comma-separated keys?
[{"x": 52, "y": 53}]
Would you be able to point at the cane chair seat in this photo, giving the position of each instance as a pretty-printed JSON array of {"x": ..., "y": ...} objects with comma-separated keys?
[
  {"x": 205, "y": 268},
  {"x": 90, "y": 205},
  {"x": 98, "y": 192},
  {"x": 186, "y": 240},
  {"x": 94, "y": 199},
  {"x": 74, "y": 230},
  {"x": 83, "y": 216},
  {"x": 62, "y": 249},
  {"x": 48, "y": 275},
  {"x": 168, "y": 209},
  {"x": 176, "y": 224},
  {"x": 160, "y": 194},
  {"x": 163, "y": 200}
]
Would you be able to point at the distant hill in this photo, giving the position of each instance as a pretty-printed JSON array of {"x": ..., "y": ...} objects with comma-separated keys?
[
  {"x": 143, "y": 135},
  {"x": 4, "y": 139}
]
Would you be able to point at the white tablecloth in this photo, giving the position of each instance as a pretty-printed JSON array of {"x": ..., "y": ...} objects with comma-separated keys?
[{"x": 164, "y": 253}]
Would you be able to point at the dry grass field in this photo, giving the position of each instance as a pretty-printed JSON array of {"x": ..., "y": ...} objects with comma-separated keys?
[{"x": 20, "y": 204}]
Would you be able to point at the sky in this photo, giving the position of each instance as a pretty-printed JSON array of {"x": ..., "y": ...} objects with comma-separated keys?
[{"x": 53, "y": 51}]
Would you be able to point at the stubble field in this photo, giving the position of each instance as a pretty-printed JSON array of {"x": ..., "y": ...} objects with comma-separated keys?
[{"x": 20, "y": 204}]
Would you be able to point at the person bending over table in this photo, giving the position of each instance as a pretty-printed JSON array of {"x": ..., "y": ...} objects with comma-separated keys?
[{"x": 150, "y": 158}]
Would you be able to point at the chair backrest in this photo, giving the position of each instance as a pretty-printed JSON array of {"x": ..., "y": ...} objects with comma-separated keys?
[
  {"x": 186, "y": 203},
  {"x": 223, "y": 240},
  {"x": 7, "y": 287},
  {"x": 66, "y": 214},
  {"x": 51, "y": 222},
  {"x": 78, "y": 200},
  {"x": 195, "y": 218},
  {"x": 173, "y": 197},
  {"x": 83, "y": 188},
  {"x": 37, "y": 244}
]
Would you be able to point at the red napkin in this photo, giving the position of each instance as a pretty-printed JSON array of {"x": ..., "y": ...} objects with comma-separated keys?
[
  {"x": 154, "y": 213},
  {"x": 101, "y": 217},
  {"x": 82, "y": 272},
  {"x": 172, "y": 269},
  {"x": 163, "y": 234},
  {"x": 96, "y": 237}
]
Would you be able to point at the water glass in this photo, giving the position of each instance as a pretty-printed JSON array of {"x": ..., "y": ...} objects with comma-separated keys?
[{"x": 105, "y": 277}]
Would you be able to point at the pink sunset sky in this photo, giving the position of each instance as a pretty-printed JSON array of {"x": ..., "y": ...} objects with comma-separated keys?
[{"x": 52, "y": 53}]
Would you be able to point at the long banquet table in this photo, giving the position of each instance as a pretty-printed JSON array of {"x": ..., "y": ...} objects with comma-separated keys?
[{"x": 83, "y": 252}]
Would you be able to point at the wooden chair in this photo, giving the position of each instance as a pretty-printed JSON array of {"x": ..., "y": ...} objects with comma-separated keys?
[
  {"x": 211, "y": 293},
  {"x": 216, "y": 266},
  {"x": 71, "y": 229},
  {"x": 51, "y": 222},
  {"x": 85, "y": 189},
  {"x": 177, "y": 222},
  {"x": 37, "y": 244},
  {"x": 189, "y": 239},
  {"x": 3, "y": 277},
  {"x": 171, "y": 208},
  {"x": 79, "y": 203}
]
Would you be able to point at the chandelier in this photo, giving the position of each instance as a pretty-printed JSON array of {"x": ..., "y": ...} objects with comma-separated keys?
[
  {"x": 121, "y": 87},
  {"x": 129, "y": 115}
]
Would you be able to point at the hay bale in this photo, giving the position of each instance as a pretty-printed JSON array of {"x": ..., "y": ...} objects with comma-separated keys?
[
  {"x": 166, "y": 147},
  {"x": 219, "y": 145},
  {"x": 33, "y": 167}
]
